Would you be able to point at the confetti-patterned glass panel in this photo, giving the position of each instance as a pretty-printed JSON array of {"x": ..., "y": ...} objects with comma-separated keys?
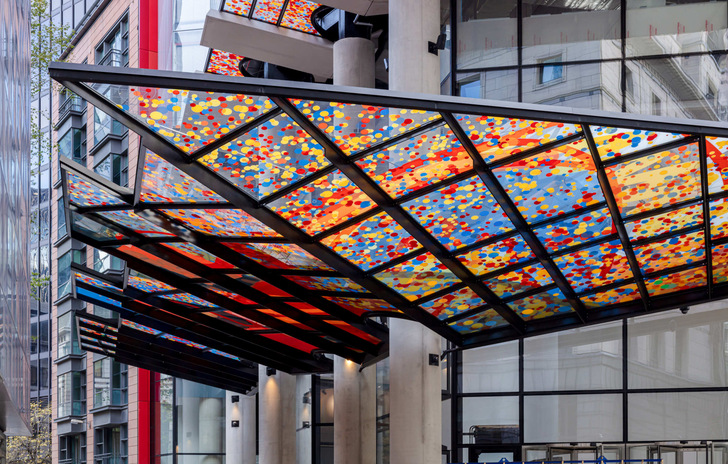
[
  {"x": 717, "y": 151},
  {"x": 140, "y": 328},
  {"x": 164, "y": 183},
  {"x": 131, "y": 220},
  {"x": 298, "y": 16},
  {"x": 183, "y": 341},
  {"x": 719, "y": 218},
  {"x": 239, "y": 7},
  {"x": 96, "y": 282},
  {"x": 192, "y": 119},
  {"x": 720, "y": 263},
  {"x": 154, "y": 260},
  {"x": 223, "y": 354},
  {"x": 422, "y": 160},
  {"x": 222, "y": 222},
  {"x": 331, "y": 284},
  {"x": 623, "y": 294},
  {"x": 196, "y": 253},
  {"x": 460, "y": 214},
  {"x": 671, "y": 252},
  {"x": 418, "y": 277},
  {"x": 684, "y": 280},
  {"x": 453, "y": 303},
  {"x": 147, "y": 284},
  {"x": 595, "y": 266},
  {"x": 268, "y": 10},
  {"x": 233, "y": 296},
  {"x": 555, "y": 182},
  {"x": 188, "y": 299},
  {"x": 613, "y": 142},
  {"x": 224, "y": 63},
  {"x": 576, "y": 230},
  {"x": 359, "y": 306},
  {"x": 268, "y": 158},
  {"x": 497, "y": 138},
  {"x": 279, "y": 255},
  {"x": 324, "y": 203},
  {"x": 519, "y": 281},
  {"x": 489, "y": 319},
  {"x": 83, "y": 193},
  {"x": 262, "y": 286},
  {"x": 665, "y": 222},
  {"x": 656, "y": 180},
  {"x": 372, "y": 242},
  {"x": 542, "y": 305},
  {"x": 356, "y": 127},
  {"x": 497, "y": 255},
  {"x": 84, "y": 225}
]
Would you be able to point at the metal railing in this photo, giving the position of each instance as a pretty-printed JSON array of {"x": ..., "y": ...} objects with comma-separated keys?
[
  {"x": 113, "y": 58},
  {"x": 72, "y": 103}
]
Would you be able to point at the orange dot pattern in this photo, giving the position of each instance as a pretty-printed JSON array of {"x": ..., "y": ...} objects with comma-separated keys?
[
  {"x": 418, "y": 277},
  {"x": 613, "y": 142},
  {"x": 719, "y": 218},
  {"x": 496, "y": 256},
  {"x": 164, "y": 183},
  {"x": 671, "y": 252},
  {"x": 332, "y": 284},
  {"x": 542, "y": 305},
  {"x": 279, "y": 255},
  {"x": 595, "y": 266},
  {"x": 359, "y": 306},
  {"x": 519, "y": 281},
  {"x": 720, "y": 263},
  {"x": 576, "y": 230},
  {"x": 624, "y": 294},
  {"x": 684, "y": 280},
  {"x": 489, "y": 319},
  {"x": 223, "y": 63},
  {"x": 222, "y": 222},
  {"x": 453, "y": 303},
  {"x": 716, "y": 149},
  {"x": 665, "y": 222}
]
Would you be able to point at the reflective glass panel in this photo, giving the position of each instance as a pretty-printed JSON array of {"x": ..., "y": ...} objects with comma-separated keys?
[
  {"x": 546, "y": 304},
  {"x": 683, "y": 280},
  {"x": 555, "y": 182},
  {"x": 372, "y": 242},
  {"x": 198, "y": 254},
  {"x": 359, "y": 306},
  {"x": 491, "y": 368},
  {"x": 354, "y": 128},
  {"x": 595, "y": 266},
  {"x": 519, "y": 281},
  {"x": 623, "y": 294},
  {"x": 489, "y": 319},
  {"x": 497, "y": 138},
  {"x": 720, "y": 263},
  {"x": 453, "y": 303},
  {"x": 717, "y": 151},
  {"x": 224, "y": 63},
  {"x": 572, "y": 418},
  {"x": 576, "y": 230},
  {"x": 409, "y": 165},
  {"x": 671, "y": 252},
  {"x": 268, "y": 10},
  {"x": 656, "y": 180},
  {"x": 719, "y": 218},
  {"x": 298, "y": 15},
  {"x": 279, "y": 255},
  {"x": 222, "y": 222},
  {"x": 613, "y": 142},
  {"x": 487, "y": 33},
  {"x": 497, "y": 255},
  {"x": 333, "y": 284},
  {"x": 665, "y": 222},
  {"x": 134, "y": 222},
  {"x": 83, "y": 193},
  {"x": 460, "y": 214},
  {"x": 490, "y": 411},
  {"x": 273, "y": 155},
  {"x": 86, "y": 226},
  {"x": 324, "y": 203},
  {"x": 418, "y": 277},
  {"x": 164, "y": 183}
]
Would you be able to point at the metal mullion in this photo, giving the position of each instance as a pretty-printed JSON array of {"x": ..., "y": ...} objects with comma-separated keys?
[
  {"x": 173, "y": 155},
  {"x": 466, "y": 314},
  {"x": 531, "y": 292},
  {"x": 484, "y": 242},
  {"x": 177, "y": 205},
  {"x": 282, "y": 13},
  {"x": 253, "y": 4},
  {"x": 435, "y": 186},
  {"x": 616, "y": 216},
  {"x": 396, "y": 261},
  {"x": 667, "y": 235},
  {"x": 675, "y": 270},
  {"x": 704, "y": 188},
  {"x": 414, "y": 228},
  {"x": 302, "y": 272},
  {"x": 649, "y": 151},
  {"x": 719, "y": 196},
  {"x": 139, "y": 176},
  {"x": 293, "y": 186},
  {"x": 661, "y": 210},
  {"x": 234, "y": 134},
  {"x": 569, "y": 215},
  {"x": 535, "y": 150},
  {"x": 101, "y": 209},
  {"x": 123, "y": 193},
  {"x": 396, "y": 139},
  {"x": 521, "y": 225},
  {"x": 719, "y": 241},
  {"x": 507, "y": 269},
  {"x": 348, "y": 223}
]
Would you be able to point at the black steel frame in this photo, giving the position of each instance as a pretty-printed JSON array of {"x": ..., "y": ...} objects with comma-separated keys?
[{"x": 77, "y": 78}]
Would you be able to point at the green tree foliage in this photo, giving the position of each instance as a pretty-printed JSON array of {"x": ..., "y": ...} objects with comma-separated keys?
[{"x": 36, "y": 448}]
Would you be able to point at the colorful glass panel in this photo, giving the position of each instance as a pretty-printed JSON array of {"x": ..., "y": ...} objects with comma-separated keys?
[
  {"x": 542, "y": 305},
  {"x": 372, "y": 242},
  {"x": 298, "y": 16},
  {"x": 577, "y": 230},
  {"x": 595, "y": 266},
  {"x": 683, "y": 280},
  {"x": 222, "y": 222},
  {"x": 555, "y": 182},
  {"x": 418, "y": 277},
  {"x": 717, "y": 151},
  {"x": 238, "y": 7},
  {"x": 84, "y": 225},
  {"x": 519, "y": 281},
  {"x": 720, "y": 263},
  {"x": 268, "y": 10},
  {"x": 623, "y": 294},
  {"x": 496, "y": 138},
  {"x": 671, "y": 252},
  {"x": 652, "y": 181},
  {"x": 183, "y": 341},
  {"x": 497, "y": 255},
  {"x": 331, "y": 284},
  {"x": 164, "y": 183},
  {"x": 236, "y": 320},
  {"x": 148, "y": 285},
  {"x": 665, "y": 222},
  {"x": 719, "y": 218},
  {"x": 424, "y": 159},
  {"x": 223, "y": 354},
  {"x": 359, "y": 306},
  {"x": 273, "y": 155},
  {"x": 613, "y": 142},
  {"x": 224, "y": 63},
  {"x": 488, "y": 319},
  {"x": 131, "y": 220},
  {"x": 95, "y": 282},
  {"x": 233, "y": 296},
  {"x": 262, "y": 286},
  {"x": 192, "y": 119},
  {"x": 83, "y": 193},
  {"x": 154, "y": 260},
  {"x": 357, "y": 127},
  {"x": 198, "y": 254},
  {"x": 140, "y": 328},
  {"x": 460, "y": 214},
  {"x": 324, "y": 203},
  {"x": 279, "y": 255},
  {"x": 188, "y": 299},
  {"x": 453, "y": 303}
]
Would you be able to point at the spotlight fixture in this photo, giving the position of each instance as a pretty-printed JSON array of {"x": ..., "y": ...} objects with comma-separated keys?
[
  {"x": 435, "y": 47},
  {"x": 235, "y": 398},
  {"x": 270, "y": 371},
  {"x": 685, "y": 309}
]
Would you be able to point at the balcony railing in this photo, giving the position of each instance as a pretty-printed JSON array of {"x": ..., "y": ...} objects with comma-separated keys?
[
  {"x": 110, "y": 458},
  {"x": 113, "y": 58},
  {"x": 72, "y": 103}
]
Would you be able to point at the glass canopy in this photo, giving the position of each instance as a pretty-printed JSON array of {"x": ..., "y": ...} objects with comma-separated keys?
[
  {"x": 325, "y": 210},
  {"x": 292, "y": 14}
]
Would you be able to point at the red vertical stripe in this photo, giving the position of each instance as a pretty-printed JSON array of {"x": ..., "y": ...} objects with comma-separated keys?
[
  {"x": 148, "y": 34},
  {"x": 144, "y": 423}
]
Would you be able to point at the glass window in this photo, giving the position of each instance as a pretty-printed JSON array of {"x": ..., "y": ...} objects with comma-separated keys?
[
  {"x": 104, "y": 262},
  {"x": 61, "y": 218},
  {"x": 493, "y": 85},
  {"x": 64, "y": 269},
  {"x": 551, "y": 70},
  {"x": 72, "y": 145},
  {"x": 72, "y": 449},
  {"x": 110, "y": 383},
  {"x": 114, "y": 167},
  {"x": 67, "y": 336},
  {"x": 72, "y": 394},
  {"x": 581, "y": 359},
  {"x": 678, "y": 416},
  {"x": 114, "y": 49},
  {"x": 490, "y": 420},
  {"x": 487, "y": 33},
  {"x": 200, "y": 416},
  {"x": 111, "y": 445},
  {"x": 572, "y": 418},
  {"x": 490, "y": 369}
]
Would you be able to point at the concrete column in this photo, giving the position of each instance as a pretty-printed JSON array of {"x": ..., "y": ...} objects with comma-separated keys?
[
  {"x": 210, "y": 440},
  {"x": 355, "y": 413},
  {"x": 303, "y": 414},
  {"x": 276, "y": 399},
  {"x": 354, "y": 62},
  {"x": 240, "y": 441}
]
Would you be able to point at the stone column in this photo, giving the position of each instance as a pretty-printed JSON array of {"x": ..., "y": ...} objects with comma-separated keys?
[
  {"x": 354, "y": 62},
  {"x": 240, "y": 441},
  {"x": 355, "y": 413},
  {"x": 276, "y": 399}
]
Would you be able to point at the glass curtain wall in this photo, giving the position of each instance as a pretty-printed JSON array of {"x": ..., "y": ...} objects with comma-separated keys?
[{"x": 664, "y": 57}]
